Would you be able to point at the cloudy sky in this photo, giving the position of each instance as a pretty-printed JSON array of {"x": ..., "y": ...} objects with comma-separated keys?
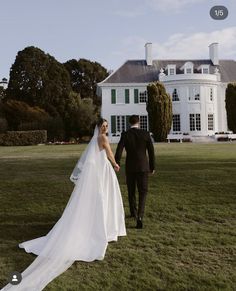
[{"x": 112, "y": 31}]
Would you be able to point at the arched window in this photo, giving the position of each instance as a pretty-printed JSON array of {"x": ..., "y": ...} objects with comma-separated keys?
[
  {"x": 188, "y": 68},
  {"x": 175, "y": 96}
]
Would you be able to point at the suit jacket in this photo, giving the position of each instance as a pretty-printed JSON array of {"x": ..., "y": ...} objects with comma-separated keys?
[{"x": 136, "y": 143}]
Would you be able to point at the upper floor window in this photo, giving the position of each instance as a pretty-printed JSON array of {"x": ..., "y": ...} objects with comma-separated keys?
[
  {"x": 194, "y": 94},
  {"x": 205, "y": 69},
  {"x": 175, "y": 96},
  {"x": 171, "y": 69},
  {"x": 188, "y": 71},
  {"x": 120, "y": 96},
  {"x": 211, "y": 94},
  {"x": 188, "y": 68}
]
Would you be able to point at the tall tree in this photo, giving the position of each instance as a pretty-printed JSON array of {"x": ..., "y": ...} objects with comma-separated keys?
[
  {"x": 230, "y": 104},
  {"x": 85, "y": 75},
  {"x": 38, "y": 79},
  {"x": 81, "y": 116},
  {"x": 159, "y": 108}
]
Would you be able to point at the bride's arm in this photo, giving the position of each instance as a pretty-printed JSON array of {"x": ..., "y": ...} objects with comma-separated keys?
[{"x": 110, "y": 155}]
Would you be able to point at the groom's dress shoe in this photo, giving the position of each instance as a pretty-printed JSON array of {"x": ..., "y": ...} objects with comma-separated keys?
[{"x": 139, "y": 223}]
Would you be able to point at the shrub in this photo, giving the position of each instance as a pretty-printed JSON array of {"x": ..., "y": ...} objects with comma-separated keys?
[
  {"x": 223, "y": 138},
  {"x": 22, "y": 138},
  {"x": 3, "y": 125}
]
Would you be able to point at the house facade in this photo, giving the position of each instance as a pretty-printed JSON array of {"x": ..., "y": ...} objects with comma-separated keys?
[
  {"x": 197, "y": 89},
  {"x": 4, "y": 83}
]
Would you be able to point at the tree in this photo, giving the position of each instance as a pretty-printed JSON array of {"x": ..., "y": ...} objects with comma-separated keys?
[
  {"x": 38, "y": 79},
  {"x": 84, "y": 76},
  {"x": 80, "y": 116},
  {"x": 159, "y": 108},
  {"x": 20, "y": 115},
  {"x": 230, "y": 104}
]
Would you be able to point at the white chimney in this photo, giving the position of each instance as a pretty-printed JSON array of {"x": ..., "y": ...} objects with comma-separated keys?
[
  {"x": 213, "y": 53},
  {"x": 148, "y": 53}
]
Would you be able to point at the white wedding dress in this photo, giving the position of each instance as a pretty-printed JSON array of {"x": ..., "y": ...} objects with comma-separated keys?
[{"x": 94, "y": 215}]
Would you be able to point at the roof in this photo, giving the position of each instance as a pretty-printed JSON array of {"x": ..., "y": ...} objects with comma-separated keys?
[{"x": 137, "y": 71}]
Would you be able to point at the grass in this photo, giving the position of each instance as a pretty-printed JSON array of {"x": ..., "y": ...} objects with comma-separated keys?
[{"x": 189, "y": 236}]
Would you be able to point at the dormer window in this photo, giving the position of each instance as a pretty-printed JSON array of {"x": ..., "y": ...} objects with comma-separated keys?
[
  {"x": 171, "y": 69},
  {"x": 204, "y": 69},
  {"x": 188, "y": 68}
]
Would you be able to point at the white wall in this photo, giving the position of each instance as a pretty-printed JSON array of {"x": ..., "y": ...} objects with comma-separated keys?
[{"x": 183, "y": 107}]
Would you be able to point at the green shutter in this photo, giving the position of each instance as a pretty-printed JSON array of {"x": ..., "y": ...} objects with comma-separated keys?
[
  {"x": 127, "y": 122},
  {"x": 113, "y": 124},
  {"x": 113, "y": 96},
  {"x": 126, "y": 96},
  {"x": 135, "y": 95}
]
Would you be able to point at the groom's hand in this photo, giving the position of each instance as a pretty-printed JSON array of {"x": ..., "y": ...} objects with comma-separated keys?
[{"x": 152, "y": 172}]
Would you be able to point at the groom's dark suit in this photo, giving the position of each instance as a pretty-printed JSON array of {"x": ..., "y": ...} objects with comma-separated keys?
[{"x": 136, "y": 142}]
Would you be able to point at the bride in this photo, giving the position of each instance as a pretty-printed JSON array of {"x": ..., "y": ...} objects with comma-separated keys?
[{"x": 93, "y": 216}]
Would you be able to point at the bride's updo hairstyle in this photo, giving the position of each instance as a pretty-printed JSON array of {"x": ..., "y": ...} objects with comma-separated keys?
[{"x": 100, "y": 122}]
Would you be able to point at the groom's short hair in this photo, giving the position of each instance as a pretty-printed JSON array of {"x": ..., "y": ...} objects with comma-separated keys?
[{"x": 133, "y": 119}]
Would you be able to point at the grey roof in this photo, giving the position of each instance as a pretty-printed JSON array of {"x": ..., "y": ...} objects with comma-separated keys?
[{"x": 137, "y": 71}]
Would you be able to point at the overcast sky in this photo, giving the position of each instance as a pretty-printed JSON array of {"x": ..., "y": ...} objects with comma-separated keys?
[{"x": 112, "y": 31}]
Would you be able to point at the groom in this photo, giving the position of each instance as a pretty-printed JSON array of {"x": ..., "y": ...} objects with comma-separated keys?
[{"x": 136, "y": 142}]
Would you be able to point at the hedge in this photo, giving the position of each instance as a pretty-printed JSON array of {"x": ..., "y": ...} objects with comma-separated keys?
[{"x": 22, "y": 138}]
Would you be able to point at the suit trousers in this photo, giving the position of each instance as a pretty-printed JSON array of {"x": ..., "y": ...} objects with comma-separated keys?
[{"x": 141, "y": 180}]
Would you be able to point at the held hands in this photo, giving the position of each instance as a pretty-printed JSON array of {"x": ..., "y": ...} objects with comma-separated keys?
[
  {"x": 116, "y": 167},
  {"x": 152, "y": 172}
]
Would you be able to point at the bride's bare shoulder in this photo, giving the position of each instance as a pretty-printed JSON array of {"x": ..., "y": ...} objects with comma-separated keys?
[{"x": 102, "y": 138}]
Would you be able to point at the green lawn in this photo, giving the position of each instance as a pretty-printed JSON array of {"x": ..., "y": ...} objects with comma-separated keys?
[{"x": 189, "y": 236}]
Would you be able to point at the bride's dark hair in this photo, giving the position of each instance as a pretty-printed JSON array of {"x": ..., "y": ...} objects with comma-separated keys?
[{"x": 100, "y": 121}]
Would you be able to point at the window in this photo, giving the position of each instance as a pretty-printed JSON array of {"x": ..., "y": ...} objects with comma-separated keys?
[
  {"x": 175, "y": 96},
  {"x": 143, "y": 97},
  {"x": 136, "y": 95},
  {"x": 205, "y": 70},
  {"x": 198, "y": 122},
  {"x": 176, "y": 122},
  {"x": 192, "y": 122},
  {"x": 126, "y": 96},
  {"x": 194, "y": 94},
  {"x": 172, "y": 71},
  {"x": 195, "y": 122},
  {"x": 211, "y": 94},
  {"x": 120, "y": 98},
  {"x": 210, "y": 122},
  {"x": 143, "y": 122},
  {"x": 113, "y": 96},
  {"x": 120, "y": 123},
  {"x": 188, "y": 70}
]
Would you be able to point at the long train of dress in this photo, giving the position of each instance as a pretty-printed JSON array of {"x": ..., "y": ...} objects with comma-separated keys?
[{"x": 94, "y": 215}]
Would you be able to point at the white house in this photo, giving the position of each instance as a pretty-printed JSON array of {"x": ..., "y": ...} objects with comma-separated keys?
[
  {"x": 4, "y": 83},
  {"x": 197, "y": 88}
]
